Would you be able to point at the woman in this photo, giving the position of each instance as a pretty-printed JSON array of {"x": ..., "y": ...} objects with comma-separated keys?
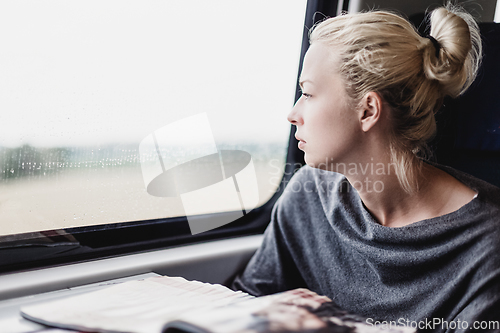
[{"x": 388, "y": 236}]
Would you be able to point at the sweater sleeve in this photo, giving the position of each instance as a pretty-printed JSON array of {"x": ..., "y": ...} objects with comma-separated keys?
[
  {"x": 482, "y": 314},
  {"x": 271, "y": 269}
]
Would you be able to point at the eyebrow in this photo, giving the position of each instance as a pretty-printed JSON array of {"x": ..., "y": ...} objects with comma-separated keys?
[{"x": 301, "y": 82}]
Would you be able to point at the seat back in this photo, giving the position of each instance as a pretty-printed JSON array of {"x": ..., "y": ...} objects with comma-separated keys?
[{"x": 468, "y": 135}]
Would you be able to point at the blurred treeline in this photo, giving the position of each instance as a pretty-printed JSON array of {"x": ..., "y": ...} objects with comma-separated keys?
[
  {"x": 30, "y": 161},
  {"x": 37, "y": 162}
]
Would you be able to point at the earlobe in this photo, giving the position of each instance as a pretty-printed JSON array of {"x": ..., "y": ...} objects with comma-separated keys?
[{"x": 371, "y": 105}]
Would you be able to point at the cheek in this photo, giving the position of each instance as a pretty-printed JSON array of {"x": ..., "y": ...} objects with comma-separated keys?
[
  {"x": 340, "y": 130},
  {"x": 323, "y": 114}
]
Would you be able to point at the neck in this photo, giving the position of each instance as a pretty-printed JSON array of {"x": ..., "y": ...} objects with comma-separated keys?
[
  {"x": 438, "y": 194},
  {"x": 379, "y": 188}
]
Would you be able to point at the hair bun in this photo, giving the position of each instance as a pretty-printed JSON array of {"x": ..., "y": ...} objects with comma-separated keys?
[
  {"x": 452, "y": 52},
  {"x": 436, "y": 44}
]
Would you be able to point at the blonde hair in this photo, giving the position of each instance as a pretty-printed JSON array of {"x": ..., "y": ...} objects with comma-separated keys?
[{"x": 382, "y": 52}]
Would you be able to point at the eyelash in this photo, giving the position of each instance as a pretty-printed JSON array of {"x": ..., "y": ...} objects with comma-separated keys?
[{"x": 305, "y": 95}]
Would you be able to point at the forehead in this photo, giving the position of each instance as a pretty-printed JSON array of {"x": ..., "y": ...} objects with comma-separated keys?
[{"x": 320, "y": 60}]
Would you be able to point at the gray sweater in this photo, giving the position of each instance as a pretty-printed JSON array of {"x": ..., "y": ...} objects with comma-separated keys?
[{"x": 322, "y": 237}]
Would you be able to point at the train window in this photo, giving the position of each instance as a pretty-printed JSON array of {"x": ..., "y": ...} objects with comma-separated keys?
[
  {"x": 497, "y": 12},
  {"x": 86, "y": 84}
]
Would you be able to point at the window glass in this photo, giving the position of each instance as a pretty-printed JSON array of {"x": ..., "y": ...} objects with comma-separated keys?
[
  {"x": 497, "y": 12},
  {"x": 92, "y": 92}
]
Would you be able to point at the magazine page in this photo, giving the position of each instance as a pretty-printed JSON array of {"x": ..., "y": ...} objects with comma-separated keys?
[
  {"x": 163, "y": 303},
  {"x": 135, "y": 306},
  {"x": 298, "y": 310}
]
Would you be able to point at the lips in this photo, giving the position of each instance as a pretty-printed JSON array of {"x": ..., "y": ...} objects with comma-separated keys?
[
  {"x": 299, "y": 139},
  {"x": 301, "y": 142}
]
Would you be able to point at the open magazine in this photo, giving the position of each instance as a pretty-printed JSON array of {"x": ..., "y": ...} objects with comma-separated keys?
[{"x": 164, "y": 304}]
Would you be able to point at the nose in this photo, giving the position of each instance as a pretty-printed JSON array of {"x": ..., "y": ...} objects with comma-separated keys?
[{"x": 294, "y": 116}]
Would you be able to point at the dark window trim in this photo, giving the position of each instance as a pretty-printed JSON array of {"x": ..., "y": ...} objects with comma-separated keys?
[{"x": 35, "y": 250}]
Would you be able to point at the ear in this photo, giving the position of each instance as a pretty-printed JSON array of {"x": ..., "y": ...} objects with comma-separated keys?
[{"x": 370, "y": 110}]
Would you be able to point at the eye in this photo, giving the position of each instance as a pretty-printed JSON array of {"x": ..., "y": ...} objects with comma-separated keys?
[{"x": 306, "y": 96}]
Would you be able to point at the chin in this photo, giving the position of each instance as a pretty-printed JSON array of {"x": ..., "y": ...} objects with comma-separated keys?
[{"x": 317, "y": 163}]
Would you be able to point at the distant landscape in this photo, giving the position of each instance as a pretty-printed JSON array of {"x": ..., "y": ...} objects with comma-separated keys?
[{"x": 53, "y": 188}]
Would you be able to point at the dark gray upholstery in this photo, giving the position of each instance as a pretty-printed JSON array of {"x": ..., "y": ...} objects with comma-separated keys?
[{"x": 468, "y": 136}]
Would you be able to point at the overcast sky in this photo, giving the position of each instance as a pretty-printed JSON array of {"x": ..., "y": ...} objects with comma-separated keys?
[{"x": 100, "y": 72}]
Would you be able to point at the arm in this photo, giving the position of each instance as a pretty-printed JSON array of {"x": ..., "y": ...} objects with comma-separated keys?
[
  {"x": 482, "y": 314},
  {"x": 271, "y": 269}
]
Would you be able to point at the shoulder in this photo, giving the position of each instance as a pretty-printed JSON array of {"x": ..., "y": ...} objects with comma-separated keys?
[
  {"x": 480, "y": 218},
  {"x": 314, "y": 194},
  {"x": 487, "y": 193},
  {"x": 314, "y": 184},
  {"x": 318, "y": 178}
]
